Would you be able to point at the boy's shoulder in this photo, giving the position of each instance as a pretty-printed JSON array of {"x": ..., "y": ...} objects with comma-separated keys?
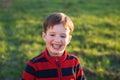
[
  {"x": 39, "y": 58},
  {"x": 72, "y": 56}
]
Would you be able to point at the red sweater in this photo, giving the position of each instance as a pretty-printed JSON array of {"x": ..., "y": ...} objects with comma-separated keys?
[{"x": 45, "y": 67}]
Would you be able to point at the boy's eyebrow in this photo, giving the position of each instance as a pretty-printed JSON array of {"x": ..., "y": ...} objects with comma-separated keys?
[
  {"x": 63, "y": 34},
  {"x": 54, "y": 33},
  {"x": 51, "y": 32}
]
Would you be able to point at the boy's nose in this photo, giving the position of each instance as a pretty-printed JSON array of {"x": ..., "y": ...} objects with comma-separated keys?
[{"x": 57, "y": 39}]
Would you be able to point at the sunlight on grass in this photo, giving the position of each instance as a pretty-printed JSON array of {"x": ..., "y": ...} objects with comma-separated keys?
[
  {"x": 96, "y": 38},
  {"x": 3, "y": 46}
]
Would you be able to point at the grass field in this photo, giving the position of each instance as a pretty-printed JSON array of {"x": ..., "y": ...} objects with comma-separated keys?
[{"x": 96, "y": 39}]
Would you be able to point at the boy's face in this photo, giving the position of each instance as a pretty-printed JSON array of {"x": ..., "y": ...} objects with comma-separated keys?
[{"x": 56, "y": 39}]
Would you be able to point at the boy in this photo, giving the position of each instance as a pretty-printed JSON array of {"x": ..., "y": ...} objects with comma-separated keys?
[{"x": 54, "y": 63}]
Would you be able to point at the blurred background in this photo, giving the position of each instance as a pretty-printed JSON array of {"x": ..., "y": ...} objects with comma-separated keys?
[{"x": 96, "y": 39}]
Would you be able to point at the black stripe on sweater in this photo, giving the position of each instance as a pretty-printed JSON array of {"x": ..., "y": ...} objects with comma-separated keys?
[
  {"x": 81, "y": 78},
  {"x": 69, "y": 57},
  {"x": 30, "y": 70},
  {"x": 38, "y": 59},
  {"x": 47, "y": 73},
  {"x": 68, "y": 71},
  {"x": 78, "y": 67}
]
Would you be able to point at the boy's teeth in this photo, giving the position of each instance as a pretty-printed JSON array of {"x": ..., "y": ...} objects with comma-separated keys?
[{"x": 56, "y": 46}]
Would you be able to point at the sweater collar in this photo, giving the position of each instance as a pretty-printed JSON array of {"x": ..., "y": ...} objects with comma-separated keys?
[{"x": 55, "y": 58}]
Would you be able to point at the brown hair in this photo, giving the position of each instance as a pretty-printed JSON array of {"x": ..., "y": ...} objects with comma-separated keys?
[{"x": 57, "y": 18}]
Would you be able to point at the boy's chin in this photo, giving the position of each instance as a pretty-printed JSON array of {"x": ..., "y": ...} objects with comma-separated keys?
[{"x": 57, "y": 53}]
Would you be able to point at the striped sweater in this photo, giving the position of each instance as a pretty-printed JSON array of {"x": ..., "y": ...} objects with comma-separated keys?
[{"x": 45, "y": 67}]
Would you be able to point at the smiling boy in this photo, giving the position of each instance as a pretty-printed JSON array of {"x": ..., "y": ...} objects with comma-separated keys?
[{"x": 54, "y": 63}]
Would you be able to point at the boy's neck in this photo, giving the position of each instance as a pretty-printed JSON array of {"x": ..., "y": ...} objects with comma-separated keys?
[{"x": 54, "y": 55}]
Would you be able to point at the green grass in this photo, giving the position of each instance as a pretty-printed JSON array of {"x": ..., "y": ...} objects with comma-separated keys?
[{"x": 96, "y": 39}]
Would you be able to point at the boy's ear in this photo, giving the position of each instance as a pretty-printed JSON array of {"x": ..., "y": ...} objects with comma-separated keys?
[
  {"x": 70, "y": 37},
  {"x": 43, "y": 35}
]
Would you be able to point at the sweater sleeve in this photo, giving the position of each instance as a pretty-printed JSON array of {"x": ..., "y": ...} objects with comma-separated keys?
[
  {"x": 80, "y": 73},
  {"x": 29, "y": 72}
]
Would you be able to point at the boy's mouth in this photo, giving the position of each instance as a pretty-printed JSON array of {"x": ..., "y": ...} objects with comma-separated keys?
[{"x": 56, "y": 46}]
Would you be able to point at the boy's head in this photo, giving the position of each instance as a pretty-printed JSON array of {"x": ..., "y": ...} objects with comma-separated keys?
[
  {"x": 58, "y": 28},
  {"x": 58, "y": 18}
]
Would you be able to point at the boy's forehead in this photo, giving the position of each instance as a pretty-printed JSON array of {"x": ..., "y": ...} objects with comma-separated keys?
[
  {"x": 54, "y": 27},
  {"x": 62, "y": 25},
  {"x": 58, "y": 27}
]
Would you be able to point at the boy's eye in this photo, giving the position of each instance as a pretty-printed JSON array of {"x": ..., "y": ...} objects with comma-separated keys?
[
  {"x": 52, "y": 35},
  {"x": 63, "y": 36}
]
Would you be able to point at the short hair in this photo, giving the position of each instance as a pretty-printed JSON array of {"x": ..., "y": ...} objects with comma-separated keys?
[{"x": 58, "y": 18}]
